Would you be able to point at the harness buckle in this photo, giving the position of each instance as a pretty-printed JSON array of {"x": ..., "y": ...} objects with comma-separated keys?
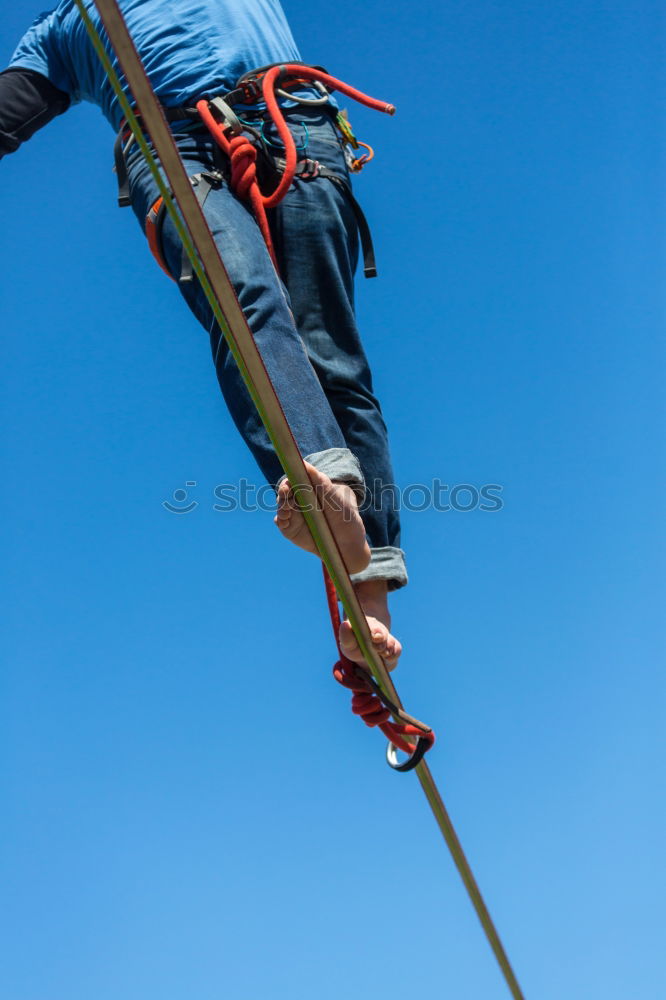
[
  {"x": 251, "y": 89},
  {"x": 226, "y": 116},
  {"x": 308, "y": 169}
]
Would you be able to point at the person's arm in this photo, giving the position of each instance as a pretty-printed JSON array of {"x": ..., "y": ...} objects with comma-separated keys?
[{"x": 28, "y": 101}]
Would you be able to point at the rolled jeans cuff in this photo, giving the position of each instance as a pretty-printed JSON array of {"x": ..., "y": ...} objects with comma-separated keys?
[
  {"x": 340, "y": 465},
  {"x": 386, "y": 563}
]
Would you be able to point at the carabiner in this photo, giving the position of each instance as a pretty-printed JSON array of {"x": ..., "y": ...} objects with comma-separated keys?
[{"x": 422, "y": 745}]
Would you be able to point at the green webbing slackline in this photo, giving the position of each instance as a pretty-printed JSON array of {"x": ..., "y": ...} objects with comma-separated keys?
[{"x": 209, "y": 269}]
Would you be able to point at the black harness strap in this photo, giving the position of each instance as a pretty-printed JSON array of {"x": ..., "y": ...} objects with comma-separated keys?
[
  {"x": 203, "y": 184},
  {"x": 121, "y": 148},
  {"x": 311, "y": 169}
]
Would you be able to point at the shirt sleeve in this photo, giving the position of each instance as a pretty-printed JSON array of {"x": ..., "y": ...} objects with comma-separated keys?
[
  {"x": 28, "y": 101},
  {"x": 41, "y": 50}
]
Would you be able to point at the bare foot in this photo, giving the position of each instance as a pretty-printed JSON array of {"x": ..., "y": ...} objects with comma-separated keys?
[
  {"x": 341, "y": 507},
  {"x": 373, "y": 598}
]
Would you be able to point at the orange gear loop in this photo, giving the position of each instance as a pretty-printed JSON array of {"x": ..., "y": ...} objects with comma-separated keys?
[{"x": 357, "y": 165}]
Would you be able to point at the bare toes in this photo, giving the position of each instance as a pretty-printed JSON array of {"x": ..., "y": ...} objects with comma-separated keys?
[{"x": 386, "y": 645}]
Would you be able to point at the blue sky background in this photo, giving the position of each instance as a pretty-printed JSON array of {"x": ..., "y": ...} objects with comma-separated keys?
[{"x": 189, "y": 807}]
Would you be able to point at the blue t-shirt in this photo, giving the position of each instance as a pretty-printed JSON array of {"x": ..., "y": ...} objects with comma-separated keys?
[{"x": 190, "y": 48}]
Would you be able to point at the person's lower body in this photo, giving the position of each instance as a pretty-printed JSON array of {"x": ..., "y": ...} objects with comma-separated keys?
[{"x": 303, "y": 324}]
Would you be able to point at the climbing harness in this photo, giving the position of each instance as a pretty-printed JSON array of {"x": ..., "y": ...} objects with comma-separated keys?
[
  {"x": 249, "y": 157},
  {"x": 185, "y": 212}
]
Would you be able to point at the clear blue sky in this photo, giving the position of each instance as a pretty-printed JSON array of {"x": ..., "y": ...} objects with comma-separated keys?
[{"x": 189, "y": 807}]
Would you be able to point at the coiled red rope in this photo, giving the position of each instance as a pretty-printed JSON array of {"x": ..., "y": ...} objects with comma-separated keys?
[{"x": 243, "y": 158}]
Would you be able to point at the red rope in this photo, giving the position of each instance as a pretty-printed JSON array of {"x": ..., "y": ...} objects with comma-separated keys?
[{"x": 304, "y": 73}]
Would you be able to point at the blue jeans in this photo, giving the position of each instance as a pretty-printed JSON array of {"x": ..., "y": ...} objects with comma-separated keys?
[{"x": 303, "y": 323}]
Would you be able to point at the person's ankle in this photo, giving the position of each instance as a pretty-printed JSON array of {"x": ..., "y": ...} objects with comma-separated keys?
[{"x": 373, "y": 596}]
